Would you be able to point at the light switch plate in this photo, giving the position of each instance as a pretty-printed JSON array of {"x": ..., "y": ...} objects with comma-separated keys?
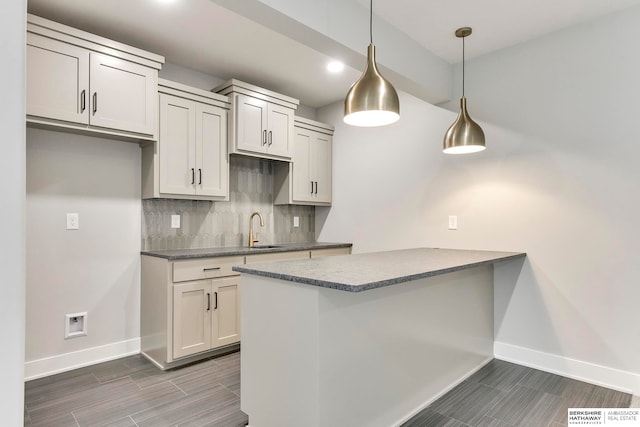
[
  {"x": 175, "y": 221},
  {"x": 73, "y": 221},
  {"x": 453, "y": 222},
  {"x": 296, "y": 221}
]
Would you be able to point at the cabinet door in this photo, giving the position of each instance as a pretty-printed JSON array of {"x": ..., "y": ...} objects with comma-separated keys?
[
  {"x": 302, "y": 185},
  {"x": 321, "y": 167},
  {"x": 176, "y": 145},
  {"x": 226, "y": 311},
  {"x": 57, "y": 80},
  {"x": 280, "y": 131},
  {"x": 251, "y": 124},
  {"x": 123, "y": 95},
  {"x": 192, "y": 305},
  {"x": 212, "y": 163}
]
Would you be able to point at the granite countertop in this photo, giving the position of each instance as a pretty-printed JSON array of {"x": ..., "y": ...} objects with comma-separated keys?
[
  {"x": 361, "y": 272},
  {"x": 242, "y": 250}
]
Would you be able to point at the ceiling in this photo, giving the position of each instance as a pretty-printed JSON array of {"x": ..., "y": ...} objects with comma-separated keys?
[
  {"x": 496, "y": 23},
  {"x": 204, "y": 36}
]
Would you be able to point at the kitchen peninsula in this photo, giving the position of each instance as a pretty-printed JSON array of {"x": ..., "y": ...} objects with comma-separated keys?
[{"x": 364, "y": 339}]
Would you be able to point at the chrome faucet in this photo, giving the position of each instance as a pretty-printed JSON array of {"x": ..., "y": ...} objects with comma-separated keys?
[{"x": 252, "y": 237}]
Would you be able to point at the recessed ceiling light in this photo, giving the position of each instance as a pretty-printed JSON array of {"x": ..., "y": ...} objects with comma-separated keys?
[{"x": 335, "y": 66}]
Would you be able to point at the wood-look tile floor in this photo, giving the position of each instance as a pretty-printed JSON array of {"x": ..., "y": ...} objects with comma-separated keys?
[
  {"x": 133, "y": 392},
  {"x": 503, "y": 394}
]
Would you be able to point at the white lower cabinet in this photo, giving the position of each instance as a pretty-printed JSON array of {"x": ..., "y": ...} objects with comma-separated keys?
[
  {"x": 191, "y": 318},
  {"x": 205, "y": 315},
  {"x": 190, "y": 308}
]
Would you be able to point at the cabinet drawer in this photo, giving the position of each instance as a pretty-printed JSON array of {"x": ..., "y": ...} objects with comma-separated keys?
[{"x": 205, "y": 268}]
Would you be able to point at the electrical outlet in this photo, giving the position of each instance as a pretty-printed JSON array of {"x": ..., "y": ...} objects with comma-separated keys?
[
  {"x": 296, "y": 221},
  {"x": 453, "y": 222},
  {"x": 175, "y": 221},
  {"x": 73, "y": 221}
]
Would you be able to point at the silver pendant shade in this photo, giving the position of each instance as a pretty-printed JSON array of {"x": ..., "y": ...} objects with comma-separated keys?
[
  {"x": 372, "y": 100},
  {"x": 464, "y": 135}
]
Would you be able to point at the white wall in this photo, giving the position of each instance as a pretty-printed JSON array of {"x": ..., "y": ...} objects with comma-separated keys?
[
  {"x": 94, "y": 269},
  {"x": 559, "y": 180},
  {"x": 12, "y": 223}
]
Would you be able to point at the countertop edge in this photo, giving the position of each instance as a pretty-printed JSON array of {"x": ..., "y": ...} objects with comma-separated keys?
[
  {"x": 178, "y": 254},
  {"x": 377, "y": 284}
]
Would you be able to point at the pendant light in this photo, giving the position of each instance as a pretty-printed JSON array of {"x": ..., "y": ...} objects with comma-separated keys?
[
  {"x": 372, "y": 100},
  {"x": 464, "y": 135}
]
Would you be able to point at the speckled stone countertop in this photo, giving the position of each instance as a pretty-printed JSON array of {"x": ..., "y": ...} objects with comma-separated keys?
[
  {"x": 361, "y": 272},
  {"x": 242, "y": 250}
]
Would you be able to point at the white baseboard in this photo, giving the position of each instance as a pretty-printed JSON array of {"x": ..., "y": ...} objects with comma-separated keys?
[
  {"x": 616, "y": 379},
  {"x": 77, "y": 359}
]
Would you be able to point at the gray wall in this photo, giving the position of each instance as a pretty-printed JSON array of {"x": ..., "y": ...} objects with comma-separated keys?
[
  {"x": 12, "y": 221},
  {"x": 558, "y": 180},
  {"x": 96, "y": 268}
]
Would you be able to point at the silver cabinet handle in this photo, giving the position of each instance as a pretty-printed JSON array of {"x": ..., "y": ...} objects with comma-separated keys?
[
  {"x": 83, "y": 100},
  {"x": 211, "y": 269},
  {"x": 95, "y": 102},
  {"x": 264, "y": 137},
  {"x": 270, "y": 138}
]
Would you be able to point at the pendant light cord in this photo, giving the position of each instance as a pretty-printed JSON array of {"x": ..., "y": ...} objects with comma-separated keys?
[
  {"x": 371, "y": 22},
  {"x": 463, "y": 66}
]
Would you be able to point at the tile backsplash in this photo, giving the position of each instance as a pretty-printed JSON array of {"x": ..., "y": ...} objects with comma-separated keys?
[{"x": 207, "y": 224}]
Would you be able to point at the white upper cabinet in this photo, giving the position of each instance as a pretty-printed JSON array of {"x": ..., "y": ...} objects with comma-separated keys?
[
  {"x": 123, "y": 95},
  {"x": 83, "y": 81},
  {"x": 261, "y": 121},
  {"x": 190, "y": 159},
  {"x": 308, "y": 179},
  {"x": 57, "y": 80}
]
